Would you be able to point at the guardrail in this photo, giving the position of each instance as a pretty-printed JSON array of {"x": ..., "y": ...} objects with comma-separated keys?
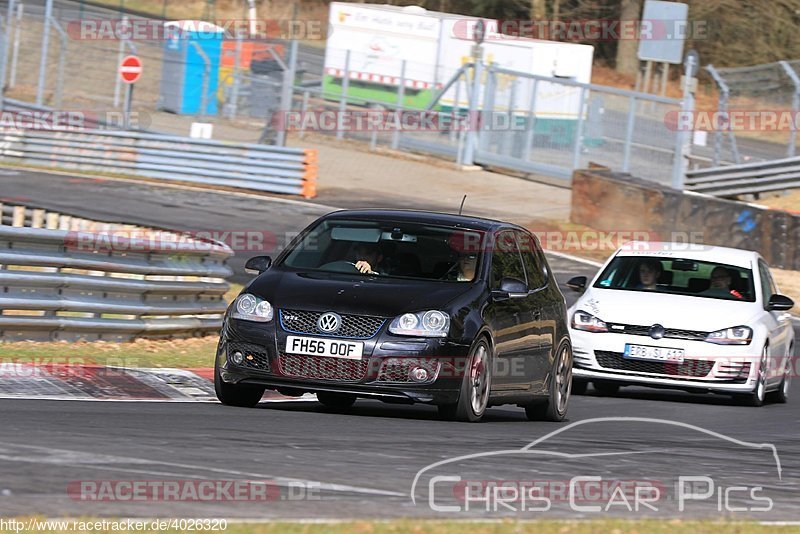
[
  {"x": 66, "y": 278},
  {"x": 746, "y": 178},
  {"x": 162, "y": 157}
]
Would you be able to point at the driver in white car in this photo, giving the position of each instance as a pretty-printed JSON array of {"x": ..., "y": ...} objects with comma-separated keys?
[{"x": 649, "y": 271}]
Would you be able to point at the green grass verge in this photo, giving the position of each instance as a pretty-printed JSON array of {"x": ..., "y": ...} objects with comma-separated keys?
[
  {"x": 456, "y": 527},
  {"x": 182, "y": 353}
]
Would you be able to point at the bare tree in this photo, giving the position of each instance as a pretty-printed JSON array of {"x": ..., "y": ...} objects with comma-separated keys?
[
  {"x": 538, "y": 10},
  {"x": 627, "y": 62}
]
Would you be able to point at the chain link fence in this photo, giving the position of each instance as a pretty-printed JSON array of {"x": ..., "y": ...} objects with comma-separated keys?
[
  {"x": 771, "y": 88},
  {"x": 523, "y": 122}
]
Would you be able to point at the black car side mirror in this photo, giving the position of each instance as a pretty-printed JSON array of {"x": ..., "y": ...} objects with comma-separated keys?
[
  {"x": 780, "y": 303},
  {"x": 510, "y": 288},
  {"x": 257, "y": 264},
  {"x": 577, "y": 283}
]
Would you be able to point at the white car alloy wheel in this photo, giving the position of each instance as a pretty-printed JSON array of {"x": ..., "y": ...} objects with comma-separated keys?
[
  {"x": 756, "y": 398},
  {"x": 782, "y": 393}
]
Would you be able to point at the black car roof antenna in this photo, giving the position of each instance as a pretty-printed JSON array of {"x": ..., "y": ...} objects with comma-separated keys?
[{"x": 462, "y": 204}]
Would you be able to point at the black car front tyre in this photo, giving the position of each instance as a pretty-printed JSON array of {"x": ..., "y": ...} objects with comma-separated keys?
[
  {"x": 234, "y": 394},
  {"x": 555, "y": 407},
  {"x": 475, "y": 386}
]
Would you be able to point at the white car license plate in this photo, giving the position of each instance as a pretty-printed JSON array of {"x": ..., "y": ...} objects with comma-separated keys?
[
  {"x": 332, "y": 348},
  {"x": 653, "y": 354}
]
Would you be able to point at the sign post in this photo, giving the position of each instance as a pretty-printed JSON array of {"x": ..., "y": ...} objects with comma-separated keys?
[{"x": 130, "y": 69}]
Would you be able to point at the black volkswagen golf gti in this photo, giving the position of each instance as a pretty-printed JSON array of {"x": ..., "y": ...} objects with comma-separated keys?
[{"x": 402, "y": 306}]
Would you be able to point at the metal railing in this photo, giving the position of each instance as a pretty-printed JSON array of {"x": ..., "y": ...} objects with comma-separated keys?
[
  {"x": 747, "y": 178},
  {"x": 65, "y": 278},
  {"x": 182, "y": 159}
]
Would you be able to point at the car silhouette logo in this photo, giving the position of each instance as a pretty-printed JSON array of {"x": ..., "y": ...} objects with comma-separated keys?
[
  {"x": 657, "y": 331},
  {"x": 329, "y": 322}
]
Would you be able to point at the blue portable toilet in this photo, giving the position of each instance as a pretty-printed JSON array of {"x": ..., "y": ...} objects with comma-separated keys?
[{"x": 184, "y": 67}]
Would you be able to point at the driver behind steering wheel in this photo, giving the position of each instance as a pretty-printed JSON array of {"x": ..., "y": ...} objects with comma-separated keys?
[{"x": 368, "y": 258}]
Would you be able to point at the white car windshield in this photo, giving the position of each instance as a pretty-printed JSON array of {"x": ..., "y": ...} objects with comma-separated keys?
[{"x": 678, "y": 276}]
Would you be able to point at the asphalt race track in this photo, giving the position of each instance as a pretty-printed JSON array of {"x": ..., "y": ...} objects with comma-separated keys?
[{"x": 363, "y": 463}]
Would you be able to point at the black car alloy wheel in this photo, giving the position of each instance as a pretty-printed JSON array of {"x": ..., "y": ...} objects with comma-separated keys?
[
  {"x": 559, "y": 388},
  {"x": 475, "y": 386}
]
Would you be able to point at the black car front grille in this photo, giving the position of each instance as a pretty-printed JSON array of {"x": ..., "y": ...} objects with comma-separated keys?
[
  {"x": 353, "y": 326},
  {"x": 323, "y": 368},
  {"x": 255, "y": 356},
  {"x": 644, "y": 330},
  {"x": 615, "y": 360}
]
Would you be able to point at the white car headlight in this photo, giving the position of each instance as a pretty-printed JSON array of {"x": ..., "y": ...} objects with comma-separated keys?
[
  {"x": 737, "y": 335},
  {"x": 582, "y": 320},
  {"x": 432, "y": 323},
  {"x": 252, "y": 308}
]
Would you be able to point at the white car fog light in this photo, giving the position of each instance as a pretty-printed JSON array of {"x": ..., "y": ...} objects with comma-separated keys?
[{"x": 237, "y": 358}]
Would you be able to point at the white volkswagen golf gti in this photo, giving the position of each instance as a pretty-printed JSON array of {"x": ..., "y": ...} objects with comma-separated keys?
[{"x": 692, "y": 317}]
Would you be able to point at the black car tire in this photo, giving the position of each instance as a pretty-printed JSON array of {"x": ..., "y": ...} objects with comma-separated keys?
[
  {"x": 336, "y": 401},
  {"x": 559, "y": 389},
  {"x": 605, "y": 388},
  {"x": 475, "y": 386},
  {"x": 757, "y": 397},
  {"x": 236, "y": 395},
  {"x": 579, "y": 386}
]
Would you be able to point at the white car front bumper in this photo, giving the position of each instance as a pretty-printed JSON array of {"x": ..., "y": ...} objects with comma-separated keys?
[{"x": 706, "y": 366}]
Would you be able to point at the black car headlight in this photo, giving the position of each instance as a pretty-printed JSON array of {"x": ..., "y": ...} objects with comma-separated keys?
[
  {"x": 252, "y": 308},
  {"x": 738, "y": 335},
  {"x": 431, "y": 323}
]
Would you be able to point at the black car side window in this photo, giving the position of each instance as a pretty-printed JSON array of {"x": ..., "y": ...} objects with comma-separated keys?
[
  {"x": 506, "y": 260},
  {"x": 534, "y": 266}
]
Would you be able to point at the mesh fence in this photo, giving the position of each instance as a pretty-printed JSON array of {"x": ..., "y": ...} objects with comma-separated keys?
[
  {"x": 82, "y": 73},
  {"x": 524, "y": 122},
  {"x": 766, "y": 88},
  {"x": 562, "y": 125}
]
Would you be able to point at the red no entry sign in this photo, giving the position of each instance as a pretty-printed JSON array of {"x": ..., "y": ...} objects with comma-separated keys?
[{"x": 130, "y": 69}]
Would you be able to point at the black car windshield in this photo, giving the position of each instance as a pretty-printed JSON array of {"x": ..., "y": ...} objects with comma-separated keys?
[
  {"x": 389, "y": 249},
  {"x": 678, "y": 276}
]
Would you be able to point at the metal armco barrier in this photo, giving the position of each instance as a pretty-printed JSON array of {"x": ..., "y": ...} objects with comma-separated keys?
[
  {"x": 747, "y": 178},
  {"x": 245, "y": 166},
  {"x": 65, "y": 278}
]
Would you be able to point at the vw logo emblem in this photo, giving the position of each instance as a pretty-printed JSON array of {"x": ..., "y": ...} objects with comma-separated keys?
[
  {"x": 656, "y": 331},
  {"x": 329, "y": 322}
]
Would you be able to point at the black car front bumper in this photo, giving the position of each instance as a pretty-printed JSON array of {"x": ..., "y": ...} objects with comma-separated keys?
[{"x": 384, "y": 372}]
